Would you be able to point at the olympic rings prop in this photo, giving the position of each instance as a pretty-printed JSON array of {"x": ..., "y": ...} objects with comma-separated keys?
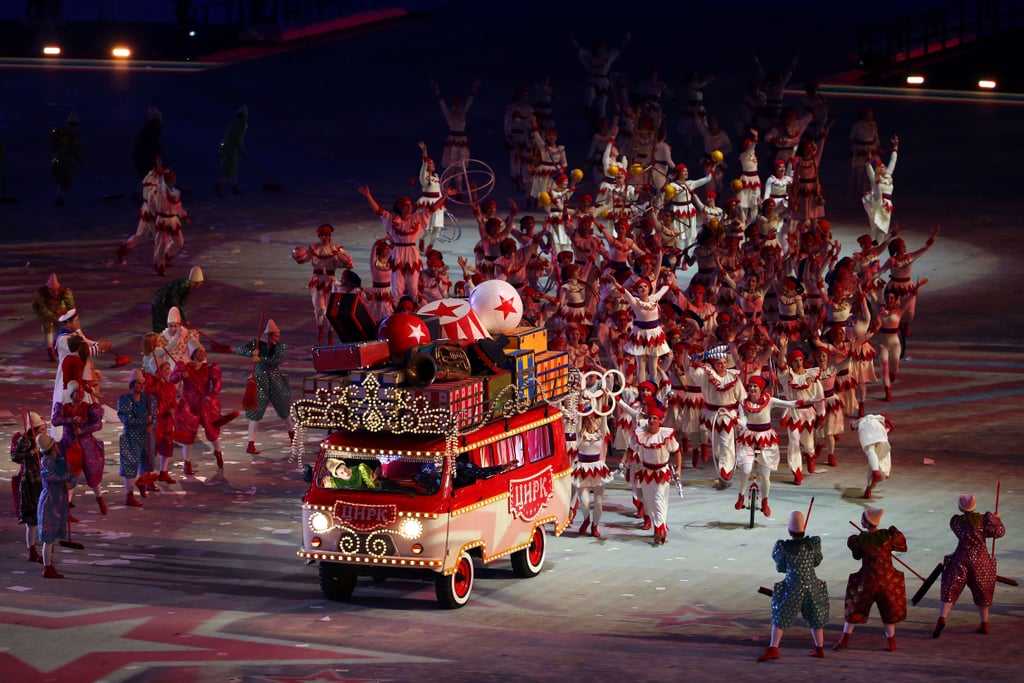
[{"x": 599, "y": 386}]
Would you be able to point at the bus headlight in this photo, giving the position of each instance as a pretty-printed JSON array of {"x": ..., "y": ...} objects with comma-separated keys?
[
  {"x": 320, "y": 523},
  {"x": 410, "y": 528}
]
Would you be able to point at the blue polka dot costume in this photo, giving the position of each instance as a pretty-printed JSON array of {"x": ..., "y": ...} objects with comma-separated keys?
[
  {"x": 801, "y": 592},
  {"x": 270, "y": 379},
  {"x": 136, "y": 415}
]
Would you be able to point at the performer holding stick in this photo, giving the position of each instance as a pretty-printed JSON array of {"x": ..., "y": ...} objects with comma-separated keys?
[
  {"x": 801, "y": 591},
  {"x": 970, "y": 564},
  {"x": 877, "y": 582}
]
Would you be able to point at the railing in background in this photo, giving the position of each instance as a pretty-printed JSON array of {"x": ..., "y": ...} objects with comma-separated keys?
[
  {"x": 899, "y": 42},
  {"x": 245, "y": 12}
]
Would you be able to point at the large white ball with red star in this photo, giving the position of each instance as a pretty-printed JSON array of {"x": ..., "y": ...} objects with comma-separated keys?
[
  {"x": 498, "y": 306},
  {"x": 402, "y": 331}
]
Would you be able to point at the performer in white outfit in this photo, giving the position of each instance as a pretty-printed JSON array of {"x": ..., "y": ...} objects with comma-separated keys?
[
  {"x": 723, "y": 391},
  {"x": 878, "y": 201},
  {"x": 654, "y": 445},
  {"x": 647, "y": 341},
  {"x": 749, "y": 192},
  {"x": 71, "y": 326},
  {"x": 679, "y": 193},
  {"x": 590, "y": 471},
  {"x": 873, "y": 432},
  {"x": 326, "y": 258},
  {"x": 800, "y": 383},
  {"x": 758, "y": 442}
]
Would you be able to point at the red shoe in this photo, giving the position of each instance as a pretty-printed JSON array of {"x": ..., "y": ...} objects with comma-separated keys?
[
  {"x": 251, "y": 448},
  {"x": 594, "y": 532},
  {"x": 888, "y": 393},
  {"x": 696, "y": 456},
  {"x": 142, "y": 489},
  {"x": 50, "y": 572},
  {"x": 867, "y": 493},
  {"x": 810, "y": 464},
  {"x": 876, "y": 476},
  {"x": 102, "y": 503},
  {"x": 983, "y": 629},
  {"x": 166, "y": 477},
  {"x": 639, "y": 505},
  {"x": 291, "y": 435},
  {"x": 818, "y": 652},
  {"x": 72, "y": 518},
  {"x": 705, "y": 452},
  {"x": 52, "y": 355},
  {"x": 769, "y": 653},
  {"x": 220, "y": 459},
  {"x": 798, "y": 477},
  {"x": 765, "y": 510},
  {"x": 122, "y": 255},
  {"x": 892, "y": 644},
  {"x": 843, "y": 642},
  {"x": 584, "y": 527},
  {"x": 647, "y": 524},
  {"x": 739, "y": 502},
  {"x": 153, "y": 487},
  {"x": 726, "y": 476},
  {"x": 860, "y": 412},
  {"x": 131, "y": 501},
  {"x": 188, "y": 469},
  {"x": 34, "y": 556},
  {"x": 148, "y": 478},
  {"x": 832, "y": 462}
]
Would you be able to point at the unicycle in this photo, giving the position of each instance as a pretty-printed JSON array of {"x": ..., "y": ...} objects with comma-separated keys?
[{"x": 753, "y": 493}]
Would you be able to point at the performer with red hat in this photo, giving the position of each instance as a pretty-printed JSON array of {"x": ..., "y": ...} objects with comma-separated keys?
[
  {"x": 81, "y": 420},
  {"x": 757, "y": 441},
  {"x": 801, "y": 592},
  {"x": 170, "y": 216},
  {"x": 749, "y": 194},
  {"x": 800, "y": 383},
  {"x": 199, "y": 405},
  {"x": 970, "y": 564},
  {"x": 326, "y": 258},
  {"x": 551, "y": 161},
  {"x": 877, "y": 582},
  {"x": 723, "y": 391},
  {"x": 654, "y": 445},
  {"x": 685, "y": 401},
  {"x": 647, "y": 341}
]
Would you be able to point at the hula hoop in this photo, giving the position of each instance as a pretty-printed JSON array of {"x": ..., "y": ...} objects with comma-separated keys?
[{"x": 477, "y": 180}]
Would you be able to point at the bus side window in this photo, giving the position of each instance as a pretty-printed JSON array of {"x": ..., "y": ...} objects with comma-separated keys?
[{"x": 539, "y": 444}]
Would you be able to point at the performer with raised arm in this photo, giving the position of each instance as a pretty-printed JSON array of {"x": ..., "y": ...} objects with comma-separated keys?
[
  {"x": 326, "y": 258},
  {"x": 758, "y": 443},
  {"x": 654, "y": 445}
]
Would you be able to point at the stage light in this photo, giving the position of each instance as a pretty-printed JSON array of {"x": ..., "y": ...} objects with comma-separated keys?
[
  {"x": 121, "y": 52},
  {"x": 915, "y": 80},
  {"x": 51, "y": 50},
  {"x": 191, "y": 34},
  {"x": 987, "y": 84}
]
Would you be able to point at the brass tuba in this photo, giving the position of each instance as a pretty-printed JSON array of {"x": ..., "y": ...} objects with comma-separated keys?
[{"x": 437, "y": 362}]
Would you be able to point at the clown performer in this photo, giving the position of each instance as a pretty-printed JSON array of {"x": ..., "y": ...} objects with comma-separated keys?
[
  {"x": 749, "y": 192},
  {"x": 899, "y": 266},
  {"x": 890, "y": 347},
  {"x": 722, "y": 391},
  {"x": 831, "y": 423},
  {"x": 757, "y": 440},
  {"x": 801, "y": 592},
  {"x": 430, "y": 192},
  {"x": 877, "y": 582},
  {"x": 378, "y": 296},
  {"x": 81, "y": 421},
  {"x": 590, "y": 470},
  {"x": 598, "y": 63},
  {"x": 147, "y": 213},
  {"x": 647, "y": 341},
  {"x": 878, "y": 200},
  {"x": 51, "y": 301},
  {"x": 199, "y": 405},
  {"x": 326, "y": 258},
  {"x": 686, "y": 402},
  {"x": 174, "y": 294},
  {"x": 518, "y": 115},
  {"x": 970, "y": 564},
  {"x": 800, "y": 383},
  {"x": 268, "y": 354},
  {"x": 25, "y": 452},
  {"x": 808, "y": 199},
  {"x": 52, "y": 511},
  {"x": 71, "y": 326},
  {"x": 613, "y": 165},
  {"x": 456, "y": 145},
  {"x": 170, "y": 215},
  {"x": 177, "y": 338},
  {"x": 159, "y": 385},
  {"x": 405, "y": 227},
  {"x": 557, "y": 213},
  {"x": 777, "y": 186},
  {"x": 628, "y": 416},
  {"x": 551, "y": 163},
  {"x": 654, "y": 445},
  {"x": 679, "y": 193},
  {"x": 137, "y": 411},
  {"x": 873, "y": 432}
]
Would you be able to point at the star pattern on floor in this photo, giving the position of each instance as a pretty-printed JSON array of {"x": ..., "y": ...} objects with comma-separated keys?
[{"x": 700, "y": 614}]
